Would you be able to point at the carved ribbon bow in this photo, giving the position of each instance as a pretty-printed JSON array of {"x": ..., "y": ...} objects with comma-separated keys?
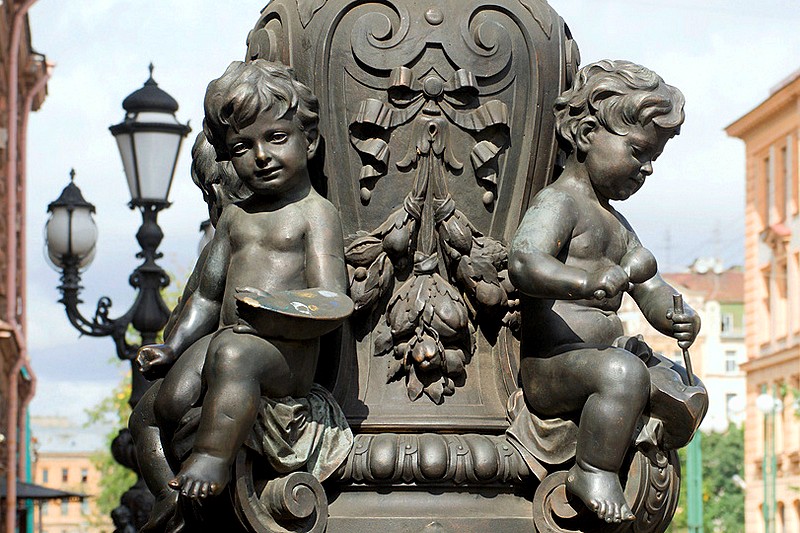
[{"x": 455, "y": 98}]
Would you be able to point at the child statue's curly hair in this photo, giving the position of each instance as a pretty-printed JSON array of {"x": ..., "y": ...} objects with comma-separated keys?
[{"x": 617, "y": 94}]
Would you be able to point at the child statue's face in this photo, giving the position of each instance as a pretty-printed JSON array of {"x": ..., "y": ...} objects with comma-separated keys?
[
  {"x": 270, "y": 155},
  {"x": 619, "y": 164}
]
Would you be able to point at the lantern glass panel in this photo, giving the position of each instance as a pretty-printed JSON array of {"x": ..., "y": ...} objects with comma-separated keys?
[
  {"x": 71, "y": 233},
  {"x": 58, "y": 262},
  {"x": 156, "y": 153},
  {"x": 125, "y": 145}
]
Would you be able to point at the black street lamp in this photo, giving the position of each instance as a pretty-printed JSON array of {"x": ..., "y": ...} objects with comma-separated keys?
[{"x": 149, "y": 141}]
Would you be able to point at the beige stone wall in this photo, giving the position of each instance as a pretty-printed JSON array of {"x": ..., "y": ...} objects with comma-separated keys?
[
  {"x": 771, "y": 133},
  {"x": 81, "y": 477},
  {"x": 31, "y": 68},
  {"x": 787, "y": 445}
]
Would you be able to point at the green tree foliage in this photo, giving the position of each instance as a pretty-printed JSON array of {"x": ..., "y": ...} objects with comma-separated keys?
[
  {"x": 115, "y": 479},
  {"x": 723, "y": 495}
]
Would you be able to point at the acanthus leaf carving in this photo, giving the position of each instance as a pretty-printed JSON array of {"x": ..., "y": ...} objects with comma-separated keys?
[
  {"x": 541, "y": 14},
  {"x": 428, "y": 319},
  {"x": 369, "y": 284},
  {"x": 307, "y": 9}
]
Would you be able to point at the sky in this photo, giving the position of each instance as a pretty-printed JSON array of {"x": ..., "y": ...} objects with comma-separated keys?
[{"x": 725, "y": 55}]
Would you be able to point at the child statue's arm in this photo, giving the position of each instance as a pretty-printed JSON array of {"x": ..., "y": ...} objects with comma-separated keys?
[
  {"x": 188, "y": 290},
  {"x": 535, "y": 263},
  {"x": 654, "y": 296},
  {"x": 325, "y": 267},
  {"x": 200, "y": 312}
]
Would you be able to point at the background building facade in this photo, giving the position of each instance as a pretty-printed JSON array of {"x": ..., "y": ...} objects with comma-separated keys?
[
  {"x": 719, "y": 351},
  {"x": 23, "y": 78},
  {"x": 771, "y": 133},
  {"x": 65, "y": 454}
]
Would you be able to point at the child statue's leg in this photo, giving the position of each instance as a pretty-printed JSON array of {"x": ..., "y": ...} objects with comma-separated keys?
[
  {"x": 613, "y": 386},
  {"x": 235, "y": 368},
  {"x": 179, "y": 390},
  {"x": 153, "y": 464}
]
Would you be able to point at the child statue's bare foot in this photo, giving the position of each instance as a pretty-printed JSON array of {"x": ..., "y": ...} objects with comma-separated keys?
[
  {"x": 601, "y": 492},
  {"x": 201, "y": 476},
  {"x": 163, "y": 510}
]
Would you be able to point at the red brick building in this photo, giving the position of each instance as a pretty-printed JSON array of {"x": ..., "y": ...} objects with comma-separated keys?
[{"x": 23, "y": 78}]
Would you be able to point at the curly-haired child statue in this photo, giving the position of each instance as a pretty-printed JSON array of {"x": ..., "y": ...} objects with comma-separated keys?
[
  {"x": 573, "y": 257},
  {"x": 245, "y": 339}
]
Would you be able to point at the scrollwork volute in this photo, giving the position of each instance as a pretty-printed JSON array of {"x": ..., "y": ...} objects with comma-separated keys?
[
  {"x": 437, "y": 132},
  {"x": 436, "y": 135},
  {"x": 454, "y": 275}
]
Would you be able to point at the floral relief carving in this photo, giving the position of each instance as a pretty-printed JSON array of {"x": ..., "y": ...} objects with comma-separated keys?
[{"x": 456, "y": 273}]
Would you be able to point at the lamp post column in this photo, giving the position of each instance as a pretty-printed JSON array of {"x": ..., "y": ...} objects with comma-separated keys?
[
  {"x": 149, "y": 139},
  {"x": 150, "y": 311},
  {"x": 694, "y": 483},
  {"x": 769, "y": 404}
]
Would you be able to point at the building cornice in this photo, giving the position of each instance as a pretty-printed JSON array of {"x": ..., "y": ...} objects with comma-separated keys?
[
  {"x": 788, "y": 355},
  {"x": 776, "y": 102}
]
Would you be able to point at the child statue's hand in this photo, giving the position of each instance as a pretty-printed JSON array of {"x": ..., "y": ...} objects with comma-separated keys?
[
  {"x": 685, "y": 326},
  {"x": 155, "y": 359},
  {"x": 608, "y": 282}
]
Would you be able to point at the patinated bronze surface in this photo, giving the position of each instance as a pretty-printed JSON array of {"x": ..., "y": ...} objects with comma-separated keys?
[
  {"x": 573, "y": 258},
  {"x": 272, "y": 282},
  {"x": 437, "y": 133}
]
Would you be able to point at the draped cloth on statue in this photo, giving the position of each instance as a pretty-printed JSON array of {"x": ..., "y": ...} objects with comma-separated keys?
[
  {"x": 307, "y": 434},
  {"x": 547, "y": 440}
]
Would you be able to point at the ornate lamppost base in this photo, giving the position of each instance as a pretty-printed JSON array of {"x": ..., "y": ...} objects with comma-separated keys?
[{"x": 439, "y": 132}]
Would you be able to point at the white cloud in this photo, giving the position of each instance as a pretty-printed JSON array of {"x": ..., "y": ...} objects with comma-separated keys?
[{"x": 102, "y": 49}]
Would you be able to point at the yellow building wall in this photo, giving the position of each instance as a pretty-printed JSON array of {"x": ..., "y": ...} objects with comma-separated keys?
[
  {"x": 771, "y": 133},
  {"x": 73, "y": 472}
]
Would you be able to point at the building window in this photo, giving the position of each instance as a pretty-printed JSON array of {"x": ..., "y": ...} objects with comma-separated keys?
[
  {"x": 781, "y": 305},
  {"x": 85, "y": 506},
  {"x": 795, "y": 289},
  {"x": 64, "y": 475},
  {"x": 797, "y": 511},
  {"x": 727, "y": 323},
  {"x": 84, "y": 475},
  {"x": 45, "y": 508},
  {"x": 770, "y": 196},
  {"x": 45, "y": 475},
  {"x": 730, "y": 362},
  {"x": 64, "y": 507},
  {"x": 782, "y": 518},
  {"x": 782, "y": 188},
  {"x": 766, "y": 330},
  {"x": 730, "y": 404},
  {"x": 788, "y": 176}
]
